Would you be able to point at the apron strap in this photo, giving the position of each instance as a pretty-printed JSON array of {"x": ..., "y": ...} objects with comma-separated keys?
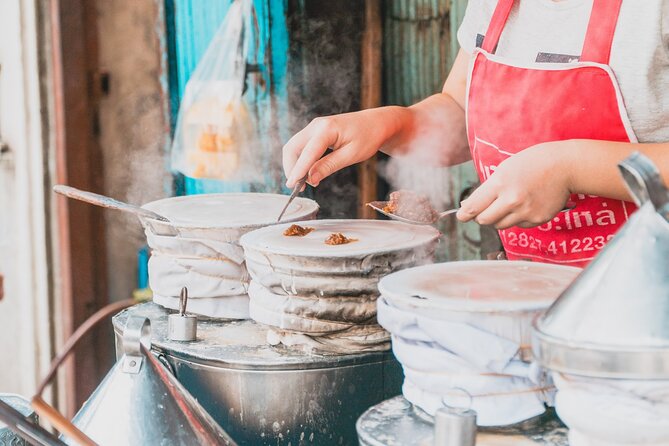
[
  {"x": 602, "y": 26},
  {"x": 496, "y": 25},
  {"x": 598, "y": 38}
]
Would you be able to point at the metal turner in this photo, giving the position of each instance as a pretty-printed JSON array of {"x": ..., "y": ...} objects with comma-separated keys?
[{"x": 296, "y": 190}]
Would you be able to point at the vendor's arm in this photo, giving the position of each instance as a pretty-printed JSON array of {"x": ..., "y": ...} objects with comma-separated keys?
[
  {"x": 531, "y": 187},
  {"x": 431, "y": 131}
]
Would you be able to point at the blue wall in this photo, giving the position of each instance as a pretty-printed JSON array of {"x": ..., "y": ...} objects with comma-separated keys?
[{"x": 191, "y": 26}]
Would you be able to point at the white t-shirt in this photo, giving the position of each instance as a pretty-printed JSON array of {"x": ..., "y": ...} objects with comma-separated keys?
[{"x": 554, "y": 31}]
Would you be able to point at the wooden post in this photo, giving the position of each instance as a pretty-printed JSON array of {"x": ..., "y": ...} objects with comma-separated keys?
[
  {"x": 81, "y": 241},
  {"x": 370, "y": 96}
]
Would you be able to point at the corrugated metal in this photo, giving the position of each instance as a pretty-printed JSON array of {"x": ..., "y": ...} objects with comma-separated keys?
[
  {"x": 418, "y": 9},
  {"x": 416, "y": 47},
  {"x": 419, "y": 48}
]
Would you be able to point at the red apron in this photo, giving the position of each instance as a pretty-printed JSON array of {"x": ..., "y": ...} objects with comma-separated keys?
[{"x": 512, "y": 107}]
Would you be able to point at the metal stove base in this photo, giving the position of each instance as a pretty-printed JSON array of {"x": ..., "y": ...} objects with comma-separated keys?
[
  {"x": 395, "y": 422},
  {"x": 262, "y": 395}
]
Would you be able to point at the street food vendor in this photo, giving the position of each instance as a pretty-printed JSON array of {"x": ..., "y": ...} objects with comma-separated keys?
[{"x": 546, "y": 97}]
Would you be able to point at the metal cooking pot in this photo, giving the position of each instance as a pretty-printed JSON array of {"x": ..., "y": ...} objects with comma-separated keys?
[{"x": 262, "y": 395}]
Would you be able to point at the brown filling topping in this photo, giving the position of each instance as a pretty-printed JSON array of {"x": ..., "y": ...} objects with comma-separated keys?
[
  {"x": 338, "y": 238},
  {"x": 297, "y": 231}
]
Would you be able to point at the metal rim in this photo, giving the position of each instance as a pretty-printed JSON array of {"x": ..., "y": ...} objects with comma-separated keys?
[
  {"x": 599, "y": 361},
  {"x": 310, "y": 212},
  {"x": 429, "y": 236},
  {"x": 461, "y": 305}
]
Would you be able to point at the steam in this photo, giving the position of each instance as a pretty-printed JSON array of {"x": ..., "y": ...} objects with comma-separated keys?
[{"x": 433, "y": 182}]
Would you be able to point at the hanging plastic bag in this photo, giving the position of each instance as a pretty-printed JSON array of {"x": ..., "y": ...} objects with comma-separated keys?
[{"x": 215, "y": 136}]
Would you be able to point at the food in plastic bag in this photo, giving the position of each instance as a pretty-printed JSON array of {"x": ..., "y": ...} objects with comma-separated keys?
[{"x": 215, "y": 134}]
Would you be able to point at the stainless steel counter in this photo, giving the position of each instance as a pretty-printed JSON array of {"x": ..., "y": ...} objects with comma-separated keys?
[{"x": 395, "y": 422}]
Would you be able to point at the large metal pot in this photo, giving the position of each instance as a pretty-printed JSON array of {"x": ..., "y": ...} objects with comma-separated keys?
[{"x": 262, "y": 395}]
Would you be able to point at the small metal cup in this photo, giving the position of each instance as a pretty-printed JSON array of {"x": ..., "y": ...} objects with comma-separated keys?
[
  {"x": 454, "y": 427},
  {"x": 181, "y": 326}
]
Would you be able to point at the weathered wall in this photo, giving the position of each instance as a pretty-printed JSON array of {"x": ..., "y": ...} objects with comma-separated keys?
[{"x": 133, "y": 125}]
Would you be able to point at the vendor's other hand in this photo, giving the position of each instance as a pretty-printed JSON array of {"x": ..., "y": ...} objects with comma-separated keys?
[
  {"x": 526, "y": 190},
  {"x": 353, "y": 137}
]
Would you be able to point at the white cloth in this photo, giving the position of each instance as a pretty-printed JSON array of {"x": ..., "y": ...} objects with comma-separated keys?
[
  {"x": 357, "y": 339},
  {"x": 462, "y": 365},
  {"x": 613, "y": 412},
  {"x": 345, "y": 324},
  {"x": 213, "y": 271},
  {"x": 230, "y": 307}
]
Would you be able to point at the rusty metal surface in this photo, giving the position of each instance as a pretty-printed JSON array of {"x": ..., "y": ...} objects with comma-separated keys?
[{"x": 416, "y": 46}]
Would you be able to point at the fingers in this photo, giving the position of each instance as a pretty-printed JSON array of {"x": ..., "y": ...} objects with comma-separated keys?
[
  {"x": 292, "y": 149},
  {"x": 511, "y": 220},
  {"x": 308, "y": 149},
  {"x": 312, "y": 152},
  {"x": 330, "y": 164},
  {"x": 477, "y": 202},
  {"x": 493, "y": 214}
]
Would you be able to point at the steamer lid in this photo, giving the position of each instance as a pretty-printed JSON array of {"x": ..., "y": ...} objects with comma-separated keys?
[
  {"x": 238, "y": 210},
  {"x": 477, "y": 286},
  {"x": 372, "y": 237}
]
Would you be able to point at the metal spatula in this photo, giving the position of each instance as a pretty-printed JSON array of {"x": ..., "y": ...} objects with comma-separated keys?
[
  {"x": 379, "y": 206},
  {"x": 296, "y": 190}
]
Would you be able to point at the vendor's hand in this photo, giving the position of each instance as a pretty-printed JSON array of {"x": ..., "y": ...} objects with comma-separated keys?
[
  {"x": 526, "y": 190},
  {"x": 353, "y": 137}
]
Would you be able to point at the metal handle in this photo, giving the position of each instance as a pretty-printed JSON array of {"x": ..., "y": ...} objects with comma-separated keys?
[
  {"x": 137, "y": 333},
  {"x": 644, "y": 181},
  {"x": 106, "y": 202}
]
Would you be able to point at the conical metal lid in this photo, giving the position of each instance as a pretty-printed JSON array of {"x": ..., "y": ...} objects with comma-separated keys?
[
  {"x": 613, "y": 321},
  {"x": 141, "y": 402}
]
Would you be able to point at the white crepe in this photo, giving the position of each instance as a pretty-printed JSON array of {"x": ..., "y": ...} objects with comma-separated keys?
[
  {"x": 210, "y": 270},
  {"x": 344, "y": 324},
  {"x": 613, "y": 412},
  {"x": 458, "y": 364},
  {"x": 231, "y": 210},
  {"x": 357, "y": 339},
  {"x": 341, "y": 309}
]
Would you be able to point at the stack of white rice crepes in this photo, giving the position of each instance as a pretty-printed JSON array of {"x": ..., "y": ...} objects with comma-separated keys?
[
  {"x": 322, "y": 297},
  {"x": 199, "y": 248}
]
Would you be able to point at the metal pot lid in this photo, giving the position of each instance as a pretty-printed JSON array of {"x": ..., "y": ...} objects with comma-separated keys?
[
  {"x": 235, "y": 345},
  {"x": 613, "y": 321},
  {"x": 371, "y": 237},
  {"x": 239, "y": 210},
  {"x": 477, "y": 286}
]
